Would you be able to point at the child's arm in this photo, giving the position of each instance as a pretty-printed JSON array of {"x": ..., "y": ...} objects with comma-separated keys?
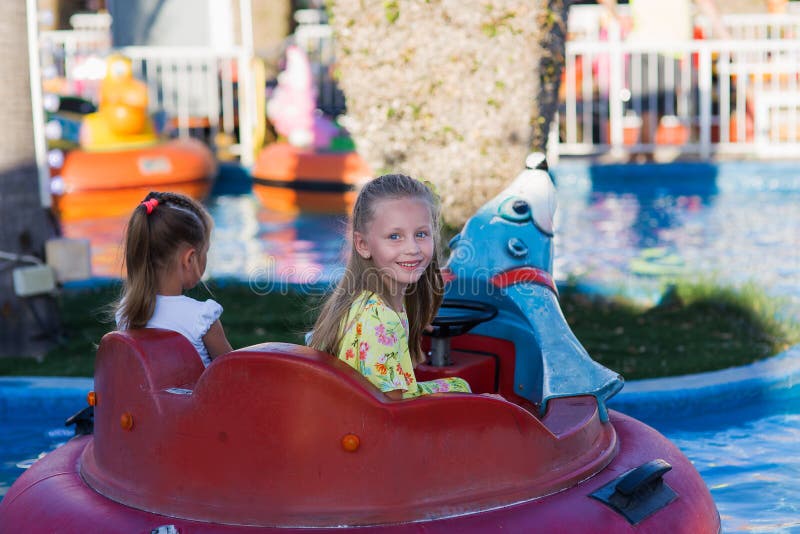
[{"x": 215, "y": 341}]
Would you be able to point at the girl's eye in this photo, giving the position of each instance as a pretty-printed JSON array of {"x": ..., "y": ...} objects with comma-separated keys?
[
  {"x": 422, "y": 235},
  {"x": 394, "y": 236}
]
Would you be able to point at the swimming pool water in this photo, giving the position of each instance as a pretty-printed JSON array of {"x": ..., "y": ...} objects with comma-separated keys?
[
  {"x": 751, "y": 467},
  {"x": 737, "y": 222},
  {"x": 734, "y": 221},
  {"x": 32, "y": 415}
]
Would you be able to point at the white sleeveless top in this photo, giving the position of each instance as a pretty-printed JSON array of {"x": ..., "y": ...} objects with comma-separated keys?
[{"x": 188, "y": 317}]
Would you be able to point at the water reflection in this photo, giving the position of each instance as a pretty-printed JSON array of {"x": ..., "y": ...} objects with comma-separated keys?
[
  {"x": 735, "y": 221},
  {"x": 248, "y": 243},
  {"x": 268, "y": 248},
  {"x": 105, "y": 235},
  {"x": 656, "y": 197}
]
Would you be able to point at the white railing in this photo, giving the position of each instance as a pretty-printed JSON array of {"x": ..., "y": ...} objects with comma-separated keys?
[
  {"x": 585, "y": 23},
  {"x": 196, "y": 89},
  {"x": 705, "y": 97}
]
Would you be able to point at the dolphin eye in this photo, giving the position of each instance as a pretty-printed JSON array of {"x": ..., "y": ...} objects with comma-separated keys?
[{"x": 515, "y": 210}]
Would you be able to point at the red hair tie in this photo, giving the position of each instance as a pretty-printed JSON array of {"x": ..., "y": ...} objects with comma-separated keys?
[{"x": 150, "y": 205}]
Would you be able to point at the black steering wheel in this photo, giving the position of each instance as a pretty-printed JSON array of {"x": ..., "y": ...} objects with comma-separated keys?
[{"x": 455, "y": 317}]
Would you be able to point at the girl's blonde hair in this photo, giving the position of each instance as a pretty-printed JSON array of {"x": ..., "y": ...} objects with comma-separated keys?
[
  {"x": 156, "y": 229},
  {"x": 422, "y": 298}
]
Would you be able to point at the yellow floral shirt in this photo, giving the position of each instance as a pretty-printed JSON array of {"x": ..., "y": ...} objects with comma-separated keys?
[{"x": 375, "y": 343}]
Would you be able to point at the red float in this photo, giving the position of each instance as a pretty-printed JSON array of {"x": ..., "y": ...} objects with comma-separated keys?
[{"x": 279, "y": 437}]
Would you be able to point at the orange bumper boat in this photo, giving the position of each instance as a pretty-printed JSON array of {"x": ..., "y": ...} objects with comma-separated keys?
[
  {"x": 106, "y": 184},
  {"x": 121, "y": 158},
  {"x": 291, "y": 179}
]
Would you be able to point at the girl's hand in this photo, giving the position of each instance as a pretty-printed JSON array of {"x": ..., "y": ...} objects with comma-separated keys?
[{"x": 429, "y": 328}]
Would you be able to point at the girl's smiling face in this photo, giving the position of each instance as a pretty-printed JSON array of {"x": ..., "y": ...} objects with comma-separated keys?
[{"x": 399, "y": 241}]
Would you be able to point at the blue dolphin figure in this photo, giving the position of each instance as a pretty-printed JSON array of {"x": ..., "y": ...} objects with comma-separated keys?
[{"x": 504, "y": 257}]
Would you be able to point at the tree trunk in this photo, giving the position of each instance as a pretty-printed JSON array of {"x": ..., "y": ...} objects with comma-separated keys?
[
  {"x": 26, "y": 325},
  {"x": 552, "y": 42},
  {"x": 456, "y": 92}
]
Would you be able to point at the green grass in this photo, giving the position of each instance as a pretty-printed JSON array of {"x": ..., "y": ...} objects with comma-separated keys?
[
  {"x": 699, "y": 327},
  {"x": 248, "y": 319}
]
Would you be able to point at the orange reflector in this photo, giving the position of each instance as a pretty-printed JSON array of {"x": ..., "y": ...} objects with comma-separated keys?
[
  {"x": 350, "y": 442},
  {"x": 91, "y": 398},
  {"x": 126, "y": 421}
]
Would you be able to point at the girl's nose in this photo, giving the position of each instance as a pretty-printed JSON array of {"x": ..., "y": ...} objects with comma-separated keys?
[{"x": 413, "y": 247}]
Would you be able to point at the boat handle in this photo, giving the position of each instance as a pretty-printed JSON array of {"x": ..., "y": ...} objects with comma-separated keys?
[{"x": 642, "y": 477}]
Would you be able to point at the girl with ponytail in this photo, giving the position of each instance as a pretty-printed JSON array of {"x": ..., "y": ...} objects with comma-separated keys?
[{"x": 166, "y": 247}]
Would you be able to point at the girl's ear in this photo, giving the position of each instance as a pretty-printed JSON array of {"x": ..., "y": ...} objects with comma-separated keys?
[
  {"x": 187, "y": 256},
  {"x": 361, "y": 245}
]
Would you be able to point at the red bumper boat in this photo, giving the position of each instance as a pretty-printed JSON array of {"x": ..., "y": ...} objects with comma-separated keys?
[{"x": 281, "y": 437}]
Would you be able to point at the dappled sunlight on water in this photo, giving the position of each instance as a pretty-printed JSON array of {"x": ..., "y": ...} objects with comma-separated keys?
[
  {"x": 752, "y": 470},
  {"x": 739, "y": 223}
]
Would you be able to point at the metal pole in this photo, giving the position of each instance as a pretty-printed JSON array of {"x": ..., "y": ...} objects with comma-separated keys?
[
  {"x": 37, "y": 106},
  {"x": 247, "y": 105},
  {"x": 615, "y": 88},
  {"x": 704, "y": 83}
]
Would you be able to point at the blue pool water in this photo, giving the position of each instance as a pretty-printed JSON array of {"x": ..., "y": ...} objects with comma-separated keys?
[
  {"x": 740, "y": 428},
  {"x": 745, "y": 450},
  {"x": 32, "y": 414},
  {"x": 734, "y": 221}
]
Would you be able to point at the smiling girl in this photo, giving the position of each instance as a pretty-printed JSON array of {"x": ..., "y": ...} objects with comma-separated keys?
[{"x": 391, "y": 289}]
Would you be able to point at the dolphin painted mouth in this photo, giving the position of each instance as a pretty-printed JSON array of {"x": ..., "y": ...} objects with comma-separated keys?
[{"x": 522, "y": 275}]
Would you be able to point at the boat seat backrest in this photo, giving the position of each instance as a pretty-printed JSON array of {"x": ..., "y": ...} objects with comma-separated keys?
[{"x": 161, "y": 358}]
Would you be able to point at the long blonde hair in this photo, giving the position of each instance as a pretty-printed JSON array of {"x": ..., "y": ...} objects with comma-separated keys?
[
  {"x": 152, "y": 238},
  {"x": 422, "y": 298}
]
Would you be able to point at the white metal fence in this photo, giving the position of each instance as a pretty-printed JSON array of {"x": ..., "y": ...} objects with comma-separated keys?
[
  {"x": 703, "y": 97},
  {"x": 198, "y": 91}
]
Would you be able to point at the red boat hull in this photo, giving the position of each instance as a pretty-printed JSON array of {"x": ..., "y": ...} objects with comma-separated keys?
[
  {"x": 52, "y": 497},
  {"x": 281, "y": 437}
]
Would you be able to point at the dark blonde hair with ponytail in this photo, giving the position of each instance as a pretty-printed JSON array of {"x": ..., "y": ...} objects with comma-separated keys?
[
  {"x": 155, "y": 231},
  {"x": 422, "y": 298}
]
